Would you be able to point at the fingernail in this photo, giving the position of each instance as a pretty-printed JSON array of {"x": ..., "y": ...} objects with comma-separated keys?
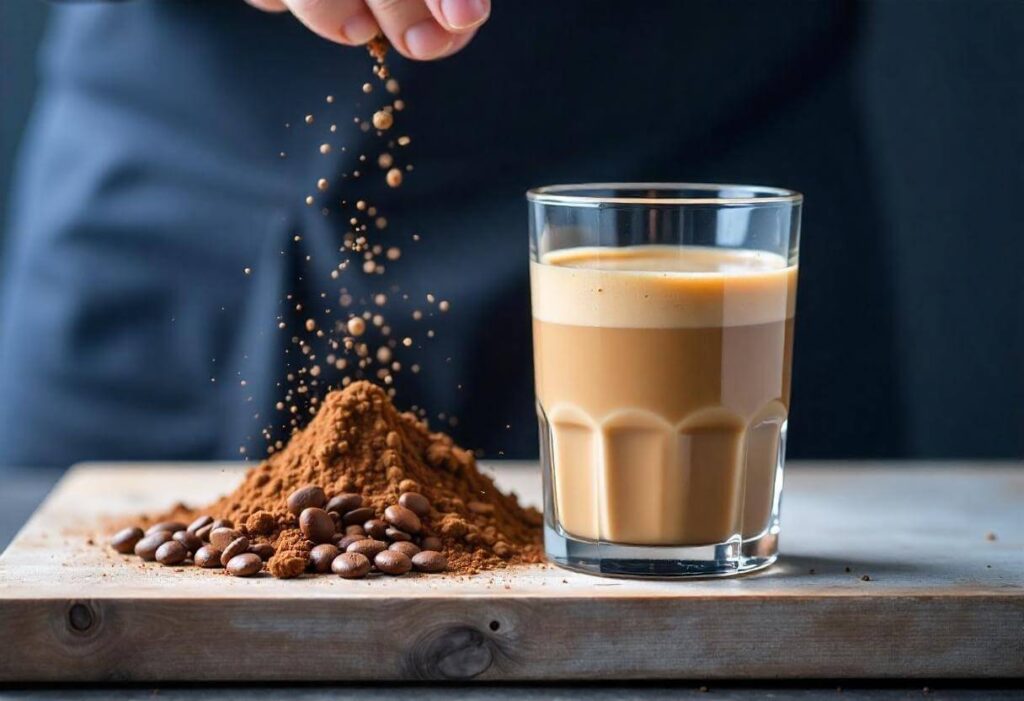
[
  {"x": 465, "y": 14},
  {"x": 427, "y": 40},
  {"x": 359, "y": 29}
]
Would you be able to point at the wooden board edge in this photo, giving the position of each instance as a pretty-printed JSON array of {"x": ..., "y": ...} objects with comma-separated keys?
[{"x": 133, "y": 640}]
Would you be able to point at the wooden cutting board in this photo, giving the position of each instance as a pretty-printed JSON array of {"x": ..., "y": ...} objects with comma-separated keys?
[{"x": 943, "y": 599}]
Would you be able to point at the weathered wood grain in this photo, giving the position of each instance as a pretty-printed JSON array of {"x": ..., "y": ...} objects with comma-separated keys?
[{"x": 942, "y": 601}]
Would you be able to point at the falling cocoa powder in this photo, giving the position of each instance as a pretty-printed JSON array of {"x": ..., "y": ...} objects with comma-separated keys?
[{"x": 359, "y": 443}]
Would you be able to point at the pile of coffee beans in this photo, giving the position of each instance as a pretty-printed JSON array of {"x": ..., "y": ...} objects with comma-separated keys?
[
  {"x": 345, "y": 537},
  {"x": 351, "y": 540},
  {"x": 207, "y": 542}
]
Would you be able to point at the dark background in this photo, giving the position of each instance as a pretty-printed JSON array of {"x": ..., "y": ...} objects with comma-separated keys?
[{"x": 901, "y": 121}]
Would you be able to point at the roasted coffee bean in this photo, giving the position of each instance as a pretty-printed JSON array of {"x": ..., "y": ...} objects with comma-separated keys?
[
  {"x": 236, "y": 547},
  {"x": 402, "y": 518},
  {"x": 392, "y": 562},
  {"x": 200, "y": 522},
  {"x": 367, "y": 547},
  {"x": 309, "y": 497},
  {"x": 431, "y": 542},
  {"x": 375, "y": 528},
  {"x": 430, "y": 561},
  {"x": 349, "y": 539},
  {"x": 190, "y": 541},
  {"x": 263, "y": 551},
  {"x": 204, "y": 532},
  {"x": 244, "y": 565},
  {"x": 222, "y": 523},
  {"x": 405, "y": 547},
  {"x": 124, "y": 540},
  {"x": 322, "y": 556},
  {"x": 335, "y": 516},
  {"x": 146, "y": 548},
  {"x": 351, "y": 565},
  {"x": 172, "y": 526},
  {"x": 415, "y": 502},
  {"x": 355, "y": 529},
  {"x": 221, "y": 538},
  {"x": 343, "y": 503},
  {"x": 479, "y": 507},
  {"x": 316, "y": 525},
  {"x": 358, "y": 516},
  {"x": 397, "y": 536},
  {"x": 171, "y": 553},
  {"x": 207, "y": 556}
]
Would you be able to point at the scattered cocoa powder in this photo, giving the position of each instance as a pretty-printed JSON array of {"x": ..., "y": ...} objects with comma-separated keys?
[{"x": 358, "y": 442}]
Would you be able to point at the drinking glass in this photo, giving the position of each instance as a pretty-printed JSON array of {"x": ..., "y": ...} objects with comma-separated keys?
[{"x": 663, "y": 338}]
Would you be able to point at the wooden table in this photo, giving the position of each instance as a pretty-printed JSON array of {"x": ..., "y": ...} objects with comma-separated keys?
[{"x": 943, "y": 600}]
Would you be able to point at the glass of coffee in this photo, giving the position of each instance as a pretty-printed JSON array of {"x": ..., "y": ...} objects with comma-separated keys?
[{"x": 663, "y": 340}]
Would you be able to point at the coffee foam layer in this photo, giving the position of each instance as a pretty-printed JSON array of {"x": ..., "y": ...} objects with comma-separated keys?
[{"x": 662, "y": 287}]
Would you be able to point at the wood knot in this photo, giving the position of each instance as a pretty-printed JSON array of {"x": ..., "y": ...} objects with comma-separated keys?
[
  {"x": 80, "y": 618},
  {"x": 452, "y": 653}
]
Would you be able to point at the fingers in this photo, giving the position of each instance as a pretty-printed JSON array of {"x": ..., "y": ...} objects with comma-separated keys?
[
  {"x": 343, "y": 21},
  {"x": 415, "y": 30},
  {"x": 418, "y": 29},
  {"x": 460, "y": 16},
  {"x": 268, "y": 5}
]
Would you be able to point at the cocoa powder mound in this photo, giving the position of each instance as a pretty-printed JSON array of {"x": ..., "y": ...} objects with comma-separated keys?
[{"x": 359, "y": 442}]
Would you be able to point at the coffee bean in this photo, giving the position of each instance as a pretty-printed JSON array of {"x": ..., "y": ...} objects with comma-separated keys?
[
  {"x": 316, "y": 525},
  {"x": 146, "y": 548},
  {"x": 172, "y": 526},
  {"x": 351, "y": 565},
  {"x": 367, "y": 547},
  {"x": 264, "y": 551},
  {"x": 322, "y": 556},
  {"x": 221, "y": 537},
  {"x": 397, "y": 536},
  {"x": 431, "y": 542},
  {"x": 204, "y": 532},
  {"x": 415, "y": 502},
  {"x": 207, "y": 556},
  {"x": 392, "y": 562},
  {"x": 358, "y": 516},
  {"x": 405, "y": 547},
  {"x": 430, "y": 561},
  {"x": 200, "y": 522},
  {"x": 125, "y": 539},
  {"x": 479, "y": 507},
  {"x": 236, "y": 547},
  {"x": 190, "y": 541},
  {"x": 402, "y": 518},
  {"x": 355, "y": 529},
  {"x": 343, "y": 503},
  {"x": 349, "y": 539},
  {"x": 222, "y": 523},
  {"x": 244, "y": 565},
  {"x": 306, "y": 498},
  {"x": 375, "y": 528},
  {"x": 336, "y": 517},
  {"x": 171, "y": 553}
]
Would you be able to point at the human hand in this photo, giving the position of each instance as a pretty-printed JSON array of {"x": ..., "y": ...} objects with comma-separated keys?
[{"x": 419, "y": 29}]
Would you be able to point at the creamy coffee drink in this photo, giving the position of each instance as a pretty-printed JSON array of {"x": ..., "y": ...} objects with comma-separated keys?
[{"x": 664, "y": 376}]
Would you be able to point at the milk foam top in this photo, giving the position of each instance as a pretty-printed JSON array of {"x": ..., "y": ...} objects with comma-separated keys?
[{"x": 662, "y": 287}]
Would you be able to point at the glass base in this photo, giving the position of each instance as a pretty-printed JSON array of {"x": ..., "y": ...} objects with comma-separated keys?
[{"x": 729, "y": 559}]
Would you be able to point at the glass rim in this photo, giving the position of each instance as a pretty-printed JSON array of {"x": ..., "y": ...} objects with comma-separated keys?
[{"x": 753, "y": 194}]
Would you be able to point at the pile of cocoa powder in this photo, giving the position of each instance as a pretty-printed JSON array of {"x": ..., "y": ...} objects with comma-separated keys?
[{"x": 359, "y": 443}]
